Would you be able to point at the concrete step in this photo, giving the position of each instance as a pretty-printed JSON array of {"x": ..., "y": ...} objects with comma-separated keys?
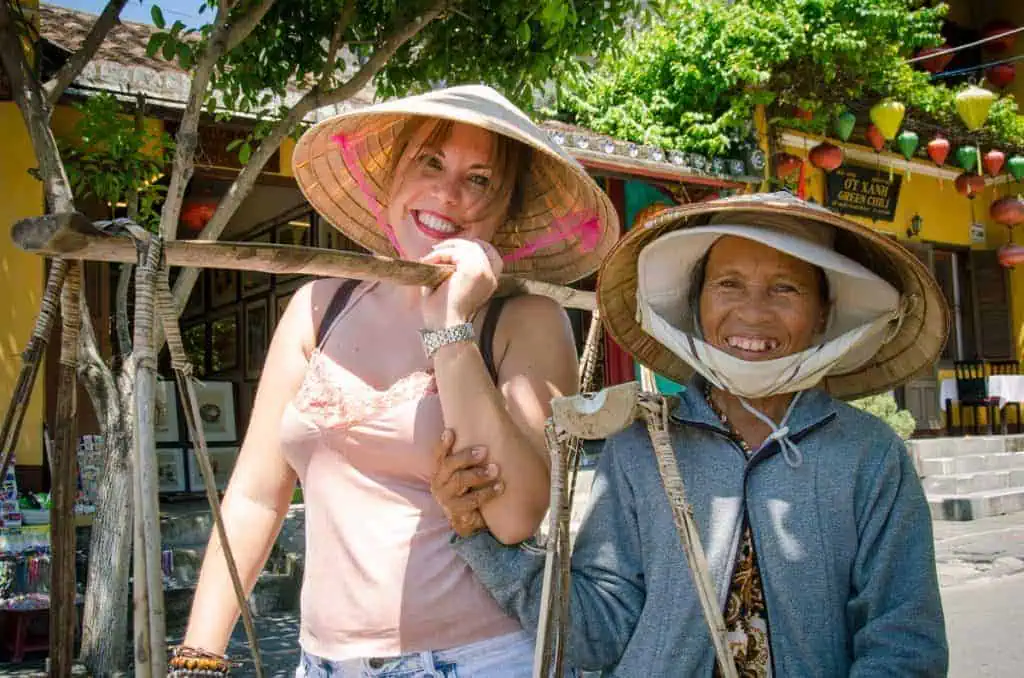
[
  {"x": 970, "y": 463},
  {"x": 932, "y": 448},
  {"x": 962, "y": 483},
  {"x": 975, "y": 505}
]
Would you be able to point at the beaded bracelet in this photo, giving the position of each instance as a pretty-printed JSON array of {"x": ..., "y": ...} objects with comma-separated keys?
[{"x": 187, "y": 662}]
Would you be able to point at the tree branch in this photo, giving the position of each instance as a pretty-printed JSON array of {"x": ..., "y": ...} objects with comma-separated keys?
[
  {"x": 244, "y": 25},
  {"x": 74, "y": 65},
  {"x": 35, "y": 110},
  {"x": 312, "y": 100},
  {"x": 347, "y": 13}
]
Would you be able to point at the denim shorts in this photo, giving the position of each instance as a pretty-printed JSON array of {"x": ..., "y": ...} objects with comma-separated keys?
[{"x": 508, "y": 656}]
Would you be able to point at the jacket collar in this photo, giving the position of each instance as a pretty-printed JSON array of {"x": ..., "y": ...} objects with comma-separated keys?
[{"x": 815, "y": 407}]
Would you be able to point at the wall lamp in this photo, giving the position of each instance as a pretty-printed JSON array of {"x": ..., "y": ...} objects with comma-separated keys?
[{"x": 915, "y": 226}]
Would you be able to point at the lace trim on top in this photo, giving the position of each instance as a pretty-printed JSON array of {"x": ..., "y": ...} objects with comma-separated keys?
[{"x": 329, "y": 403}]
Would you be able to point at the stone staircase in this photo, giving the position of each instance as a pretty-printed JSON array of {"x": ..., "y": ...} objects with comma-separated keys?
[
  {"x": 185, "y": 529},
  {"x": 971, "y": 477}
]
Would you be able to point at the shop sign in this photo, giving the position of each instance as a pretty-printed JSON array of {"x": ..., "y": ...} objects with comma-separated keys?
[
  {"x": 863, "y": 192},
  {"x": 978, "y": 233}
]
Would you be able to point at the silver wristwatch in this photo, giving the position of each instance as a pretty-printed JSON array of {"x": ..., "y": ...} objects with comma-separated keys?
[{"x": 435, "y": 339}]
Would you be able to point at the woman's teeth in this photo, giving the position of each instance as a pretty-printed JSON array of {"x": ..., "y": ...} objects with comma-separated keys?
[
  {"x": 752, "y": 345},
  {"x": 436, "y": 223}
]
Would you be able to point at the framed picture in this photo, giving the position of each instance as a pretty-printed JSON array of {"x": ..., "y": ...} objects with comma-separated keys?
[
  {"x": 197, "y": 300},
  {"x": 165, "y": 412},
  {"x": 216, "y": 402},
  {"x": 256, "y": 282},
  {"x": 223, "y": 287},
  {"x": 222, "y": 459},
  {"x": 224, "y": 342},
  {"x": 170, "y": 465},
  {"x": 257, "y": 337},
  {"x": 194, "y": 339}
]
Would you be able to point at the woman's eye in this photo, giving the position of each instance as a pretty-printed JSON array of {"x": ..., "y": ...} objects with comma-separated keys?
[
  {"x": 728, "y": 284},
  {"x": 481, "y": 180},
  {"x": 786, "y": 288},
  {"x": 431, "y": 161}
]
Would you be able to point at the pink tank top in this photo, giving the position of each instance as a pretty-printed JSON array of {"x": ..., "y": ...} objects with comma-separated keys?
[{"x": 381, "y": 578}]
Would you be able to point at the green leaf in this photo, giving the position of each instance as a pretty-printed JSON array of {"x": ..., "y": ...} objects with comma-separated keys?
[
  {"x": 185, "y": 55},
  {"x": 235, "y": 143},
  {"x": 245, "y": 153},
  {"x": 170, "y": 48},
  {"x": 156, "y": 41},
  {"x": 158, "y": 16},
  {"x": 524, "y": 31}
]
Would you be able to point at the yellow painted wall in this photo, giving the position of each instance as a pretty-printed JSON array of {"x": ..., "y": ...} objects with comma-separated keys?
[{"x": 21, "y": 275}]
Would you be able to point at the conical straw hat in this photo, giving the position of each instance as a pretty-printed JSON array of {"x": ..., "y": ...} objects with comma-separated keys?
[
  {"x": 915, "y": 346},
  {"x": 558, "y": 198}
]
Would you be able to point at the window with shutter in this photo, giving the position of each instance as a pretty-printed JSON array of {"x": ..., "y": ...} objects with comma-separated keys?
[{"x": 991, "y": 294}]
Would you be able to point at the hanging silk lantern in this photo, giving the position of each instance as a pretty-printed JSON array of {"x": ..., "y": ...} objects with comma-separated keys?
[
  {"x": 786, "y": 164},
  {"x": 875, "y": 138},
  {"x": 967, "y": 158},
  {"x": 826, "y": 156},
  {"x": 1015, "y": 165},
  {"x": 1008, "y": 211},
  {"x": 908, "y": 142},
  {"x": 843, "y": 125},
  {"x": 938, "y": 150},
  {"x": 1001, "y": 75},
  {"x": 888, "y": 116},
  {"x": 935, "y": 64},
  {"x": 969, "y": 184},
  {"x": 1003, "y": 43},
  {"x": 973, "y": 105},
  {"x": 196, "y": 212},
  {"x": 1010, "y": 255},
  {"x": 993, "y": 161}
]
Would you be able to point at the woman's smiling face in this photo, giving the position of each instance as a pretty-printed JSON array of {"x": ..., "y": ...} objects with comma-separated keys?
[
  {"x": 758, "y": 303},
  {"x": 446, "y": 186}
]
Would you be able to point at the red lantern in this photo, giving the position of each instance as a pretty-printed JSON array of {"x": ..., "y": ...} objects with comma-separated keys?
[
  {"x": 786, "y": 164},
  {"x": 826, "y": 156},
  {"x": 999, "y": 45},
  {"x": 1008, "y": 211},
  {"x": 803, "y": 114},
  {"x": 197, "y": 212},
  {"x": 1010, "y": 255},
  {"x": 935, "y": 64},
  {"x": 993, "y": 161},
  {"x": 1001, "y": 75},
  {"x": 938, "y": 150},
  {"x": 969, "y": 184},
  {"x": 875, "y": 138}
]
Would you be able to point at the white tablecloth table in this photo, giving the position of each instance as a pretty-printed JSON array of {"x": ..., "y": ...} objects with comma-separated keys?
[{"x": 1008, "y": 388}]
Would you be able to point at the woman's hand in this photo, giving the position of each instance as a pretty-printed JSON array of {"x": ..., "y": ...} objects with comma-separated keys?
[
  {"x": 477, "y": 267},
  {"x": 463, "y": 482}
]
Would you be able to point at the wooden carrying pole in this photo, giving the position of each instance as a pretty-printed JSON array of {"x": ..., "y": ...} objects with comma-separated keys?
[{"x": 74, "y": 236}]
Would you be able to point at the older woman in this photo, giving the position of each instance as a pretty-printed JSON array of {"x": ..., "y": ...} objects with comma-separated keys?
[{"x": 814, "y": 523}]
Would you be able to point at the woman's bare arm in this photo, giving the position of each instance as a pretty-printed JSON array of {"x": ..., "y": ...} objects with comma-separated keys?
[
  {"x": 261, "y": 486},
  {"x": 537, "y": 361}
]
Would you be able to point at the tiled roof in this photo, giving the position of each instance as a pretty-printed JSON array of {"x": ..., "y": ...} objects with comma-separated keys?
[{"x": 125, "y": 44}]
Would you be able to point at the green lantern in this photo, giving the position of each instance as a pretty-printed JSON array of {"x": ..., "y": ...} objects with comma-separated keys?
[
  {"x": 908, "y": 142},
  {"x": 1015, "y": 165},
  {"x": 843, "y": 125},
  {"x": 967, "y": 158}
]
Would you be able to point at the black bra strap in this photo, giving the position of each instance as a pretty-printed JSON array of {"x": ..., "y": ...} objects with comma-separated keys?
[
  {"x": 487, "y": 335},
  {"x": 334, "y": 309}
]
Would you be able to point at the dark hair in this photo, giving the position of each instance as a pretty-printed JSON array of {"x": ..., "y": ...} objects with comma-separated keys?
[
  {"x": 699, "y": 276},
  {"x": 509, "y": 158}
]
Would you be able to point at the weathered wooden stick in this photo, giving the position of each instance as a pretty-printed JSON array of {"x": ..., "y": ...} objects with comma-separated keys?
[
  {"x": 190, "y": 405},
  {"x": 62, "y": 492},
  {"x": 31, "y": 359},
  {"x": 73, "y": 236},
  {"x": 547, "y": 653},
  {"x": 147, "y": 511}
]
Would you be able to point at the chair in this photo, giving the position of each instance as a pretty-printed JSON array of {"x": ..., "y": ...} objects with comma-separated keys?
[
  {"x": 1004, "y": 367},
  {"x": 972, "y": 393}
]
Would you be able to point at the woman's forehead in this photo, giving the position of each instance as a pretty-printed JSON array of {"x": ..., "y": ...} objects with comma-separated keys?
[
  {"x": 468, "y": 141},
  {"x": 732, "y": 252}
]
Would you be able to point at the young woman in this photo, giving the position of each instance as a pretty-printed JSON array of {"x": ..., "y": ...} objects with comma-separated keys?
[{"x": 361, "y": 378}]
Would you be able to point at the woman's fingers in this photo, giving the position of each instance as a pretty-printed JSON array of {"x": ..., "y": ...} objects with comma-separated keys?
[{"x": 464, "y": 481}]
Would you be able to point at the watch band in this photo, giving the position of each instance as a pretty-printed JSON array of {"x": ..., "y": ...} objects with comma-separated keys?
[{"x": 435, "y": 339}]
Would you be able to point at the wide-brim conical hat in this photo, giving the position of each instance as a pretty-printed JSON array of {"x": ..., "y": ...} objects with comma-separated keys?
[
  {"x": 914, "y": 347},
  {"x": 557, "y": 191}
]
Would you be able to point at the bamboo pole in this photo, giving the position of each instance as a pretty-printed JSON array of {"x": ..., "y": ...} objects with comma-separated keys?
[
  {"x": 190, "y": 405},
  {"x": 74, "y": 236},
  {"x": 62, "y": 491},
  {"x": 31, "y": 359},
  {"x": 150, "y": 624}
]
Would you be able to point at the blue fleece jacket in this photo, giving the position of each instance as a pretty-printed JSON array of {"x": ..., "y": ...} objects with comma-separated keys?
[{"x": 844, "y": 543}]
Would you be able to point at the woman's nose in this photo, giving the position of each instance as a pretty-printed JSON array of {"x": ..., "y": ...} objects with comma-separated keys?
[
  {"x": 447, "y": 190},
  {"x": 755, "y": 306}
]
